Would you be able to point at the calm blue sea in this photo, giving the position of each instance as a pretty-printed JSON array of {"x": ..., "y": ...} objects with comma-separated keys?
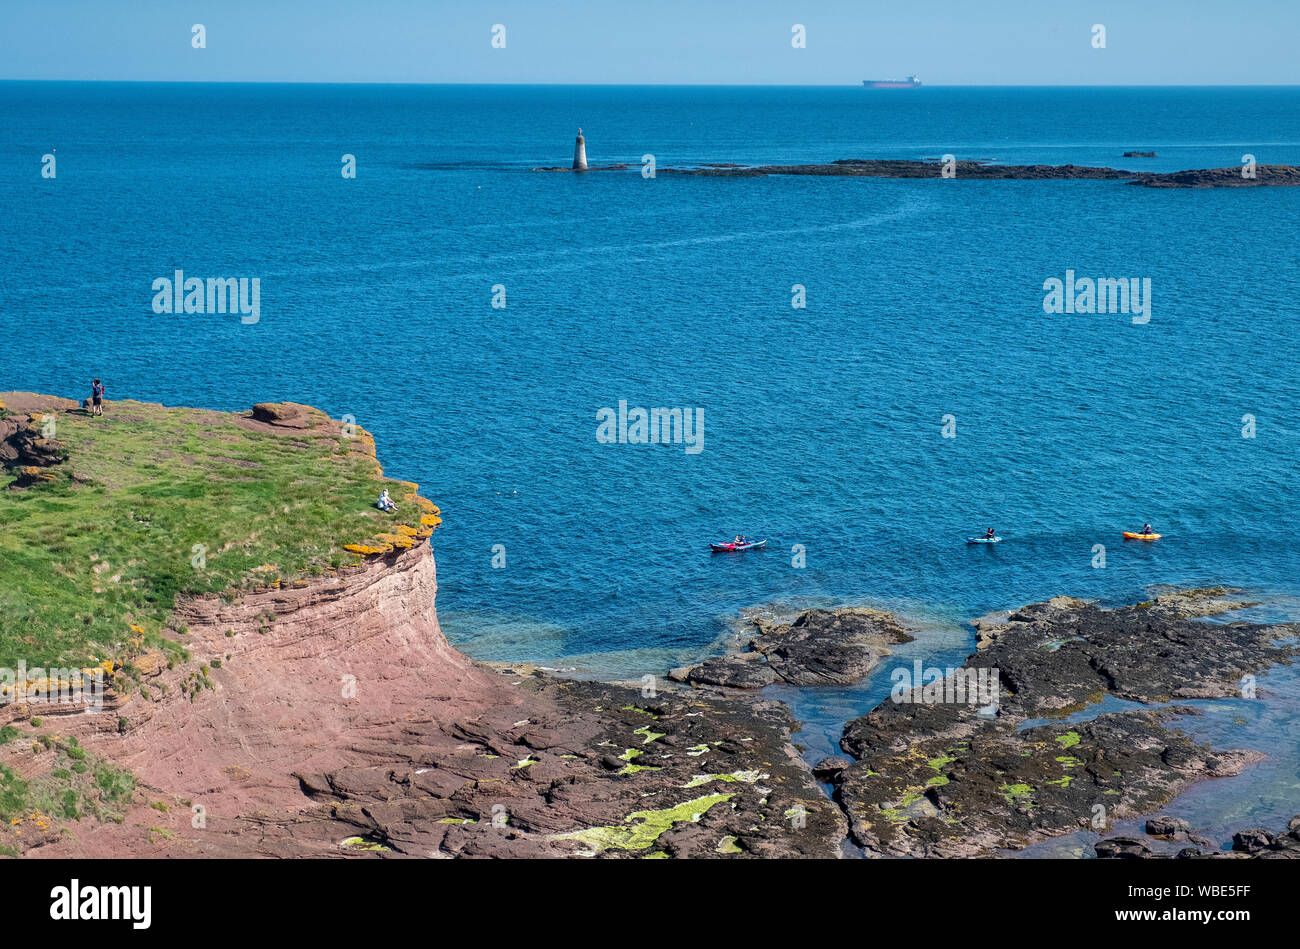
[{"x": 822, "y": 426}]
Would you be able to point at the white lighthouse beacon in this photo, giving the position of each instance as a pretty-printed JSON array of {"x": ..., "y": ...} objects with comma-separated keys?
[{"x": 580, "y": 153}]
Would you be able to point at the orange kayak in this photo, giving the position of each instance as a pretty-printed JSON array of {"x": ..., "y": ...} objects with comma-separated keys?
[{"x": 1132, "y": 536}]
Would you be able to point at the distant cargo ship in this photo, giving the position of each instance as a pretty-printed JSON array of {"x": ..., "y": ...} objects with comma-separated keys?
[{"x": 911, "y": 82}]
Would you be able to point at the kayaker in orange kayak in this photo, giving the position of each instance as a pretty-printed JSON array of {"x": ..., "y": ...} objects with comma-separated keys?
[{"x": 1148, "y": 529}]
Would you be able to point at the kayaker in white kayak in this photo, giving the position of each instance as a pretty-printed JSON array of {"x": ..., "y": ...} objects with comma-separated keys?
[{"x": 990, "y": 534}]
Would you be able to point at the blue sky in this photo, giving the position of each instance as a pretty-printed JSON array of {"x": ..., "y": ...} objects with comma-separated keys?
[{"x": 987, "y": 42}]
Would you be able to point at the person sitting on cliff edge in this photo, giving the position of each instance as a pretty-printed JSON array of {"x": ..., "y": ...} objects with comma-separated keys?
[{"x": 386, "y": 503}]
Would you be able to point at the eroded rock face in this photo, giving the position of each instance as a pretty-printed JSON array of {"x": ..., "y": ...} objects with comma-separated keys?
[
  {"x": 339, "y": 711},
  {"x": 21, "y": 443},
  {"x": 29, "y": 452},
  {"x": 940, "y": 779},
  {"x": 819, "y": 647},
  {"x": 289, "y": 415}
]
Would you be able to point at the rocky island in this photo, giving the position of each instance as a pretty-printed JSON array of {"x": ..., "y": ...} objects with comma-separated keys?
[
  {"x": 1264, "y": 175},
  {"x": 275, "y": 683}
]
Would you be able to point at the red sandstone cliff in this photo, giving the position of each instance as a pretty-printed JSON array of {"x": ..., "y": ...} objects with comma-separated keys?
[{"x": 330, "y": 717}]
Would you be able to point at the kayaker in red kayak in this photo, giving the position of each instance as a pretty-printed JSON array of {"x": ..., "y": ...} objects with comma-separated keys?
[{"x": 740, "y": 542}]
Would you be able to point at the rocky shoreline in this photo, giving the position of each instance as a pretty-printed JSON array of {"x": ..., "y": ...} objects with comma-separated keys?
[
  {"x": 426, "y": 753},
  {"x": 944, "y": 778},
  {"x": 328, "y": 716},
  {"x": 1255, "y": 843},
  {"x": 1264, "y": 175}
]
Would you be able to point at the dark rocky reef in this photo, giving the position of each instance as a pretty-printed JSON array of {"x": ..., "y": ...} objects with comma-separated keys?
[
  {"x": 943, "y": 779},
  {"x": 909, "y": 168},
  {"x": 819, "y": 647},
  {"x": 1253, "y": 843},
  {"x": 1265, "y": 175},
  {"x": 1139, "y": 154},
  {"x": 617, "y": 166}
]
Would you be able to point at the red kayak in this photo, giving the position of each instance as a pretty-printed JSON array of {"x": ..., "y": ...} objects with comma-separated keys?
[{"x": 752, "y": 545}]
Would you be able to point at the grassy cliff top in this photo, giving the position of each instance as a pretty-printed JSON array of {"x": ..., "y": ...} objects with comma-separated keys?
[{"x": 123, "y": 513}]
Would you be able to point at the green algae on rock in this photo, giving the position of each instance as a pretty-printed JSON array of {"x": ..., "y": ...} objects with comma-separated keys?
[
  {"x": 1006, "y": 781},
  {"x": 649, "y": 826}
]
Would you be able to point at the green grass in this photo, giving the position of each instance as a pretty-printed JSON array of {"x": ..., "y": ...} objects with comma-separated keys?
[
  {"x": 110, "y": 543},
  {"x": 102, "y": 790}
]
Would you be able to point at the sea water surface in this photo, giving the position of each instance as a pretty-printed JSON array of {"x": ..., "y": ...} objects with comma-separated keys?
[{"x": 823, "y": 425}]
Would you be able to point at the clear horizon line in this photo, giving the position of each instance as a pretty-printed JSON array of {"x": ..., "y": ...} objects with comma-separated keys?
[{"x": 720, "y": 85}]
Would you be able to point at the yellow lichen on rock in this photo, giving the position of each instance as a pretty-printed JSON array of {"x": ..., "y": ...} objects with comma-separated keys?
[
  {"x": 369, "y": 549},
  {"x": 402, "y": 536}
]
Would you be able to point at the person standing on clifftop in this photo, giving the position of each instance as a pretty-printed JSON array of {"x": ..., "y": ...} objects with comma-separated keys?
[{"x": 96, "y": 398}]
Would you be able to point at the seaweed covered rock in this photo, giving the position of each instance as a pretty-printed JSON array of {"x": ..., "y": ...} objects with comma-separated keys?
[
  {"x": 938, "y": 778},
  {"x": 595, "y": 770}
]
